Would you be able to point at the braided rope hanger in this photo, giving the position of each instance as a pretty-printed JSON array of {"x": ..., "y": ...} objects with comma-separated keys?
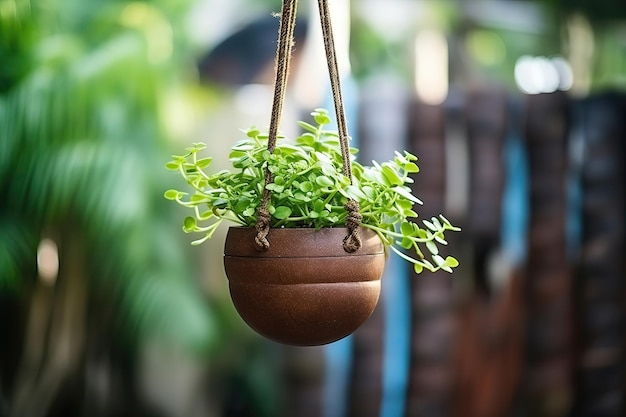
[{"x": 352, "y": 242}]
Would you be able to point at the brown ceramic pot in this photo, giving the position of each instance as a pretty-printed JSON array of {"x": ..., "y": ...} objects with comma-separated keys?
[{"x": 305, "y": 290}]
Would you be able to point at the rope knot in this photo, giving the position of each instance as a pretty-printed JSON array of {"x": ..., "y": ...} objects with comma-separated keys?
[
  {"x": 352, "y": 242},
  {"x": 262, "y": 229}
]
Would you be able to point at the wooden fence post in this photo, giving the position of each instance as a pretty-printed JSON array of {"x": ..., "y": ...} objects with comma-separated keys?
[
  {"x": 547, "y": 389},
  {"x": 490, "y": 330},
  {"x": 432, "y": 321},
  {"x": 601, "y": 270}
]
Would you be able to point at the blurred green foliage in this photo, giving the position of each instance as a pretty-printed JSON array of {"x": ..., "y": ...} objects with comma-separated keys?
[{"x": 82, "y": 145}]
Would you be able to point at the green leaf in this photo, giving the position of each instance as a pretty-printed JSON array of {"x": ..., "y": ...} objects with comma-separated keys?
[
  {"x": 438, "y": 260},
  {"x": 319, "y": 205},
  {"x": 306, "y": 186},
  {"x": 430, "y": 225},
  {"x": 321, "y": 117},
  {"x": 440, "y": 239},
  {"x": 411, "y": 168},
  {"x": 409, "y": 213},
  {"x": 173, "y": 165},
  {"x": 275, "y": 187},
  {"x": 204, "y": 162},
  {"x": 198, "y": 198},
  {"x": 301, "y": 197},
  {"x": 243, "y": 204},
  {"x": 171, "y": 194},
  {"x": 444, "y": 220},
  {"x": 287, "y": 149},
  {"x": 355, "y": 193},
  {"x": 324, "y": 181},
  {"x": 324, "y": 160},
  {"x": 237, "y": 154},
  {"x": 406, "y": 193},
  {"x": 189, "y": 224},
  {"x": 409, "y": 156},
  {"x": 400, "y": 159},
  {"x": 451, "y": 262},
  {"x": 418, "y": 268},
  {"x": 308, "y": 127},
  {"x": 407, "y": 228},
  {"x": 198, "y": 146},
  {"x": 391, "y": 175},
  {"x": 369, "y": 192},
  {"x": 253, "y": 133},
  {"x": 282, "y": 212},
  {"x": 448, "y": 225},
  {"x": 432, "y": 247},
  {"x": 198, "y": 242},
  {"x": 406, "y": 243}
]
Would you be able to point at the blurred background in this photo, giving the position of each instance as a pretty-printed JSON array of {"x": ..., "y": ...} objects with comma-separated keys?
[{"x": 516, "y": 110}]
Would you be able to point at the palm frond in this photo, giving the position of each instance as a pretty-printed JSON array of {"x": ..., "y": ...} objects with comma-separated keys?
[{"x": 82, "y": 147}]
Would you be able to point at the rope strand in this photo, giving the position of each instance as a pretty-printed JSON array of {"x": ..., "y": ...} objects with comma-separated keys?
[
  {"x": 335, "y": 85},
  {"x": 283, "y": 60},
  {"x": 352, "y": 242}
]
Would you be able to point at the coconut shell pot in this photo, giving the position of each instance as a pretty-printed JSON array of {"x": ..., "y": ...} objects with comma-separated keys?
[{"x": 305, "y": 289}]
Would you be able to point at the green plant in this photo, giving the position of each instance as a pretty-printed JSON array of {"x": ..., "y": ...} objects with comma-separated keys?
[{"x": 310, "y": 190}]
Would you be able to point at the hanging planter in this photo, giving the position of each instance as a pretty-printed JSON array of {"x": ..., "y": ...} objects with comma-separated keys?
[
  {"x": 305, "y": 289},
  {"x": 305, "y": 267}
]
